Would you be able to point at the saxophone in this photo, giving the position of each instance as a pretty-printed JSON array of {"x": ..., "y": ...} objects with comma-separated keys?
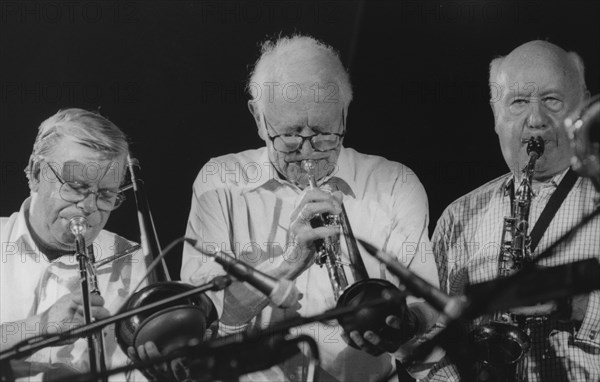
[{"x": 501, "y": 344}]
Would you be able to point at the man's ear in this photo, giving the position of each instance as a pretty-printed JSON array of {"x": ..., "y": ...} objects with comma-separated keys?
[
  {"x": 34, "y": 175},
  {"x": 586, "y": 95},
  {"x": 493, "y": 113},
  {"x": 255, "y": 111}
]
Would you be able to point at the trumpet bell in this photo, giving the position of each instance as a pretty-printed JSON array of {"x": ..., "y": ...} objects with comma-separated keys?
[
  {"x": 373, "y": 318},
  {"x": 170, "y": 327},
  {"x": 584, "y": 134}
]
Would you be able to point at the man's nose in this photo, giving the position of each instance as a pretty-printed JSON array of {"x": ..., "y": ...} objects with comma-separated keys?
[
  {"x": 89, "y": 204},
  {"x": 306, "y": 148},
  {"x": 538, "y": 118}
]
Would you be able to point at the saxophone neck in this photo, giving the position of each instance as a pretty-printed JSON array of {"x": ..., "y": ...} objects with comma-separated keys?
[{"x": 535, "y": 149}]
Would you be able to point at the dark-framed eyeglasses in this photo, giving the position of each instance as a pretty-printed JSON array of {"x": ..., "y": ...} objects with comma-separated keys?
[
  {"x": 75, "y": 192},
  {"x": 320, "y": 142}
]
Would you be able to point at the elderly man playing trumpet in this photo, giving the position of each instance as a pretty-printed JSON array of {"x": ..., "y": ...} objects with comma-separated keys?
[{"x": 259, "y": 204}]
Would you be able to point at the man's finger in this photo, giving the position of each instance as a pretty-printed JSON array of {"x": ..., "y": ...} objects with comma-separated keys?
[
  {"x": 357, "y": 339},
  {"x": 372, "y": 338},
  {"x": 99, "y": 312},
  {"x": 132, "y": 354},
  {"x": 393, "y": 321},
  {"x": 317, "y": 233},
  {"x": 180, "y": 369},
  {"x": 96, "y": 299},
  {"x": 363, "y": 344},
  {"x": 153, "y": 352}
]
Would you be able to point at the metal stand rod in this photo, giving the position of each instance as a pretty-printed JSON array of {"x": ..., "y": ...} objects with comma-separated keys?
[{"x": 34, "y": 344}]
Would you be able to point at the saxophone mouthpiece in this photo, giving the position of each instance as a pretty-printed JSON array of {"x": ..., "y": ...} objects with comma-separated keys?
[
  {"x": 535, "y": 145},
  {"x": 78, "y": 225}
]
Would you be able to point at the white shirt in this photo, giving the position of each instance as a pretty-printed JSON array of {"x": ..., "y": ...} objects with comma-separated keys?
[
  {"x": 30, "y": 284},
  {"x": 241, "y": 205}
]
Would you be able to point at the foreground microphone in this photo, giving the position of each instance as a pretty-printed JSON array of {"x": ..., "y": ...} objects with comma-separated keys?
[
  {"x": 282, "y": 293},
  {"x": 451, "y": 307}
]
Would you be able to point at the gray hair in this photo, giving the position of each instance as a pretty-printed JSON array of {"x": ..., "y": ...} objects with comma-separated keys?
[
  {"x": 277, "y": 55},
  {"x": 87, "y": 128},
  {"x": 573, "y": 58}
]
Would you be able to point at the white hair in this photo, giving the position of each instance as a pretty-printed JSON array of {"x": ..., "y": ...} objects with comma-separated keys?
[
  {"x": 87, "y": 128},
  {"x": 278, "y": 56}
]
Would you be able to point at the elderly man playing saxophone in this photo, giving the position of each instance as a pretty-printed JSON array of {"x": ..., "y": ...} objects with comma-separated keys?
[
  {"x": 533, "y": 90},
  {"x": 258, "y": 204}
]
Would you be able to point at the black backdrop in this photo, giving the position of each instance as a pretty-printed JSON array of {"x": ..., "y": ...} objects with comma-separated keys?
[{"x": 171, "y": 74}]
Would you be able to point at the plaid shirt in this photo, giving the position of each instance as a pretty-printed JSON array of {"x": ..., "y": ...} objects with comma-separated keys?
[{"x": 466, "y": 243}]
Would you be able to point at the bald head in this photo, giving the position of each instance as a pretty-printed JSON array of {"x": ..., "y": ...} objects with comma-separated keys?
[
  {"x": 532, "y": 56},
  {"x": 289, "y": 68},
  {"x": 533, "y": 89}
]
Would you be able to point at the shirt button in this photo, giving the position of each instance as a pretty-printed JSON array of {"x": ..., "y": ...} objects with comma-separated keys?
[{"x": 593, "y": 334}]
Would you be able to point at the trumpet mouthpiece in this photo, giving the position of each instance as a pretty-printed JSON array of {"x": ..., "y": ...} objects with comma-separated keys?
[
  {"x": 78, "y": 225},
  {"x": 308, "y": 165}
]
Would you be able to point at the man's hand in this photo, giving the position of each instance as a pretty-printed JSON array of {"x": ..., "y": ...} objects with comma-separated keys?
[
  {"x": 68, "y": 312},
  {"x": 536, "y": 310},
  {"x": 176, "y": 370},
  {"x": 314, "y": 202},
  {"x": 375, "y": 344}
]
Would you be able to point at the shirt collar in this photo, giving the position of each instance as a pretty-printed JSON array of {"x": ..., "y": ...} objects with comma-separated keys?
[
  {"x": 21, "y": 231},
  {"x": 341, "y": 178},
  {"x": 30, "y": 248},
  {"x": 552, "y": 182}
]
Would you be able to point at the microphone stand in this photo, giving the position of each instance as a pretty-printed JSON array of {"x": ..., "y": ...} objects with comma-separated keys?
[
  {"x": 207, "y": 351},
  {"x": 223, "y": 352},
  {"x": 78, "y": 226},
  {"x": 578, "y": 277},
  {"x": 6, "y": 373},
  {"x": 30, "y": 346},
  {"x": 95, "y": 341}
]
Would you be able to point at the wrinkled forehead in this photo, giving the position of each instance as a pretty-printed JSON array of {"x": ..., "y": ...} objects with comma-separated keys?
[
  {"x": 105, "y": 171},
  {"x": 305, "y": 108},
  {"x": 529, "y": 74},
  {"x": 77, "y": 162}
]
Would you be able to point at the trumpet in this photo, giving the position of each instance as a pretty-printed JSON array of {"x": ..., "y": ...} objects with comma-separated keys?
[
  {"x": 584, "y": 134},
  {"x": 328, "y": 253}
]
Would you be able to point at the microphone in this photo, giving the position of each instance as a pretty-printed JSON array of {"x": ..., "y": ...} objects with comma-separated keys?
[
  {"x": 532, "y": 285},
  {"x": 528, "y": 286},
  {"x": 282, "y": 293},
  {"x": 452, "y": 307}
]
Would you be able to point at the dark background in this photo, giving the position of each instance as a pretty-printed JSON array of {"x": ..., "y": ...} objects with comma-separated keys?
[{"x": 171, "y": 74}]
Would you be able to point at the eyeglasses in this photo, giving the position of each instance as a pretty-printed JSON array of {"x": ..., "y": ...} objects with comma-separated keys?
[
  {"x": 75, "y": 192},
  {"x": 321, "y": 142}
]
